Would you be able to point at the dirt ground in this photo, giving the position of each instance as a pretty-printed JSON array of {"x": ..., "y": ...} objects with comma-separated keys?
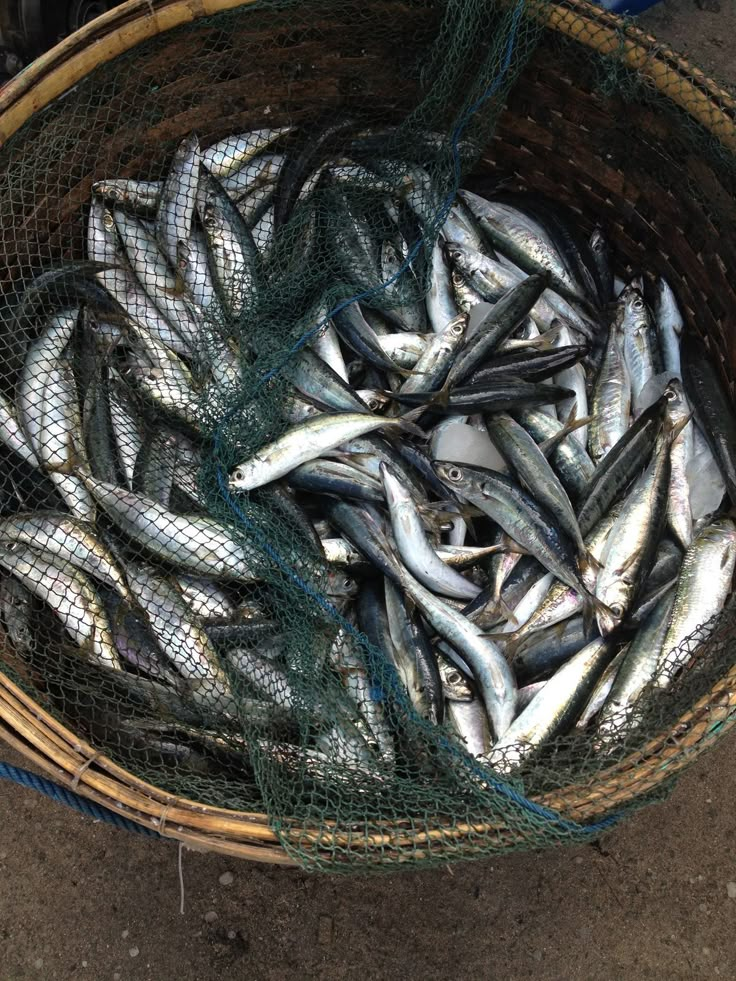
[{"x": 655, "y": 899}]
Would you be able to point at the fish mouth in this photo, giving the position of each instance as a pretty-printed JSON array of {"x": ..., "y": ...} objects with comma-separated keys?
[{"x": 607, "y": 622}]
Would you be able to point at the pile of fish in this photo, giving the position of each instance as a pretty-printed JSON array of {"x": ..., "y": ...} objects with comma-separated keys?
[{"x": 518, "y": 483}]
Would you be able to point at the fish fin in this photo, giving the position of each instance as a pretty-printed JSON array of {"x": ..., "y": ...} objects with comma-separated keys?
[
  {"x": 587, "y": 562},
  {"x": 674, "y": 430},
  {"x": 506, "y": 611},
  {"x": 571, "y": 424},
  {"x": 547, "y": 340},
  {"x": 406, "y": 423},
  {"x": 467, "y": 511},
  {"x": 592, "y": 608},
  {"x": 509, "y": 640}
]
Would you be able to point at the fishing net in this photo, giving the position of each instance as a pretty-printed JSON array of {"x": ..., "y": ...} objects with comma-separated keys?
[{"x": 425, "y": 97}]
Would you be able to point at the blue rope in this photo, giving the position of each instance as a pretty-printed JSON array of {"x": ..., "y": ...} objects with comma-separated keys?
[
  {"x": 63, "y": 796},
  {"x": 498, "y": 786}
]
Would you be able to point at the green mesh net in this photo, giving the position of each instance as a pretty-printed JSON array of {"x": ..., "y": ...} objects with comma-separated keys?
[{"x": 232, "y": 677}]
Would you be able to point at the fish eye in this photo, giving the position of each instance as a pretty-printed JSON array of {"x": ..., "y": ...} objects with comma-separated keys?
[
  {"x": 239, "y": 475},
  {"x": 454, "y": 473},
  {"x": 454, "y": 677},
  {"x": 616, "y": 609},
  {"x": 638, "y": 303},
  {"x": 373, "y": 404},
  {"x": 458, "y": 329},
  {"x": 670, "y": 394},
  {"x": 347, "y": 583}
]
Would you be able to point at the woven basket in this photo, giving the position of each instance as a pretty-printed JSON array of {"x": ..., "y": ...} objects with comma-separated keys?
[{"x": 553, "y": 136}]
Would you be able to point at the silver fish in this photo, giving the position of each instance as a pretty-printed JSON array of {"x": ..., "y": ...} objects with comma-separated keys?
[
  {"x": 638, "y": 334},
  {"x": 669, "y": 327},
  {"x": 414, "y": 548},
  {"x": 619, "y": 713},
  {"x": 304, "y": 442},
  {"x": 69, "y": 593},
  {"x": 555, "y": 709},
  {"x": 193, "y": 543},
  {"x": 702, "y": 589},
  {"x": 490, "y": 669},
  {"x": 177, "y": 203},
  {"x": 611, "y": 402}
]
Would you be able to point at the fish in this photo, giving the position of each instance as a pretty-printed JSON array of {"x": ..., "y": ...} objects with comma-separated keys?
[
  {"x": 570, "y": 460},
  {"x": 302, "y": 443},
  {"x": 636, "y": 672},
  {"x": 69, "y": 594},
  {"x": 524, "y": 241},
  {"x": 620, "y": 465},
  {"x": 713, "y": 409},
  {"x": 670, "y": 325},
  {"x": 521, "y": 518},
  {"x": 702, "y": 588},
  {"x": 638, "y": 334},
  {"x": 611, "y": 401},
  {"x": 177, "y": 204},
  {"x": 490, "y": 669},
  {"x": 632, "y": 543},
  {"x": 234, "y": 257},
  {"x": 534, "y": 471},
  {"x": 414, "y": 548},
  {"x": 503, "y": 318},
  {"x": 499, "y": 395},
  {"x": 679, "y": 515},
  {"x": 556, "y": 708},
  {"x": 414, "y": 656},
  {"x": 192, "y": 543}
]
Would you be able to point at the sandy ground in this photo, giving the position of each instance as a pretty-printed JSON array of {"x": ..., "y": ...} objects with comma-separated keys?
[{"x": 655, "y": 899}]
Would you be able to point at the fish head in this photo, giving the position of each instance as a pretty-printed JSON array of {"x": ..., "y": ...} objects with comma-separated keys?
[
  {"x": 396, "y": 493},
  {"x": 674, "y": 393},
  {"x": 340, "y": 584},
  {"x": 598, "y": 242},
  {"x": 461, "y": 258},
  {"x": 451, "y": 473},
  {"x": 457, "y": 327},
  {"x": 612, "y": 606},
  {"x": 373, "y": 398},
  {"x": 632, "y": 302},
  {"x": 241, "y": 477}
]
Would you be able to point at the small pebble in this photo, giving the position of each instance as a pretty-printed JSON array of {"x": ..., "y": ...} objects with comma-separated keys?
[
  {"x": 731, "y": 890},
  {"x": 84, "y": 963},
  {"x": 231, "y": 935},
  {"x": 324, "y": 930},
  {"x": 125, "y": 934},
  {"x": 116, "y": 976},
  {"x": 226, "y": 879},
  {"x": 134, "y": 951},
  {"x": 38, "y": 963},
  {"x": 706, "y": 951},
  {"x": 210, "y": 917}
]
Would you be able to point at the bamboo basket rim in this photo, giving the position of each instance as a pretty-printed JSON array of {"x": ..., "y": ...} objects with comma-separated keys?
[{"x": 75, "y": 764}]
